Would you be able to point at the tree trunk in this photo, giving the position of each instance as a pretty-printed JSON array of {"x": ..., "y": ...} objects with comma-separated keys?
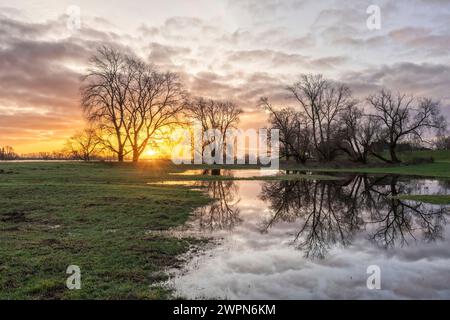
[
  {"x": 394, "y": 158},
  {"x": 120, "y": 154},
  {"x": 364, "y": 156},
  {"x": 135, "y": 155}
]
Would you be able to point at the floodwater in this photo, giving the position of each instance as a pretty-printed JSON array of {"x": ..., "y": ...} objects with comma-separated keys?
[{"x": 311, "y": 239}]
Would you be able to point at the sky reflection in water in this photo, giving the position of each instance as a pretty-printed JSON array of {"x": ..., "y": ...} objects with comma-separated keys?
[{"x": 314, "y": 240}]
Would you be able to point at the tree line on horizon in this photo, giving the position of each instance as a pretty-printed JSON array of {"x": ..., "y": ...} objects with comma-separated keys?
[{"x": 7, "y": 153}]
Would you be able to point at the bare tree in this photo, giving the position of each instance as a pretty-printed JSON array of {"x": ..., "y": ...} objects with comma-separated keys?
[
  {"x": 323, "y": 102},
  {"x": 130, "y": 101},
  {"x": 84, "y": 144},
  {"x": 358, "y": 133},
  {"x": 104, "y": 96},
  {"x": 154, "y": 103},
  {"x": 213, "y": 114},
  {"x": 294, "y": 129},
  {"x": 403, "y": 116}
]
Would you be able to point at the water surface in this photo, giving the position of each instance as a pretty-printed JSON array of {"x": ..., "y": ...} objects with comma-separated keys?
[{"x": 311, "y": 239}]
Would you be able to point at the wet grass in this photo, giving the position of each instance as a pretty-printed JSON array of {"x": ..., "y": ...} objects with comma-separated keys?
[
  {"x": 96, "y": 216},
  {"x": 99, "y": 216}
]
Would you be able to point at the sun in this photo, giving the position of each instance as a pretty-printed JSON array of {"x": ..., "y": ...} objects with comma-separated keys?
[{"x": 150, "y": 153}]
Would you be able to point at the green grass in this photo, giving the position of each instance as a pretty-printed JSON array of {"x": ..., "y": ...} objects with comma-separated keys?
[
  {"x": 96, "y": 216},
  {"x": 437, "y": 155},
  {"x": 433, "y": 199},
  {"x": 436, "y": 170},
  {"x": 439, "y": 169}
]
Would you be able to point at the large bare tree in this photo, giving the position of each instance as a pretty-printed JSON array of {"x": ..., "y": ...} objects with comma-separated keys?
[
  {"x": 104, "y": 95},
  {"x": 130, "y": 101},
  {"x": 403, "y": 117},
  {"x": 323, "y": 102},
  {"x": 154, "y": 102}
]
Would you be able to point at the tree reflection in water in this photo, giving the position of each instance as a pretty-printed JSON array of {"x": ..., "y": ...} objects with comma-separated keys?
[
  {"x": 332, "y": 212},
  {"x": 222, "y": 213},
  {"x": 399, "y": 221}
]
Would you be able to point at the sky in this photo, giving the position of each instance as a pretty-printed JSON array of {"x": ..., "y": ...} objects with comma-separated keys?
[{"x": 238, "y": 50}]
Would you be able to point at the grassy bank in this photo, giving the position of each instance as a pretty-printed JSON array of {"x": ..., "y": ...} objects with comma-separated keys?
[
  {"x": 96, "y": 216},
  {"x": 433, "y": 170},
  {"x": 432, "y": 199},
  {"x": 437, "y": 155},
  {"x": 440, "y": 168}
]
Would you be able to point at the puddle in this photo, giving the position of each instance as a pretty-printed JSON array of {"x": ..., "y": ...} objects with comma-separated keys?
[{"x": 310, "y": 239}]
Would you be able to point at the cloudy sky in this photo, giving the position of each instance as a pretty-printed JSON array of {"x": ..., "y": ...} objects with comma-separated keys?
[{"x": 229, "y": 49}]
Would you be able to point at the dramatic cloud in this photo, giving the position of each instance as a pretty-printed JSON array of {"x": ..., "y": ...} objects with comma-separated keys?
[
  {"x": 237, "y": 50},
  {"x": 426, "y": 80},
  {"x": 40, "y": 74}
]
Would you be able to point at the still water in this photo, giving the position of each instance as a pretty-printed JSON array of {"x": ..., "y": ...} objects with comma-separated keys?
[{"x": 310, "y": 239}]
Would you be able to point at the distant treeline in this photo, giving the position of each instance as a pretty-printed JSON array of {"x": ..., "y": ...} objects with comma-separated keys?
[{"x": 7, "y": 153}]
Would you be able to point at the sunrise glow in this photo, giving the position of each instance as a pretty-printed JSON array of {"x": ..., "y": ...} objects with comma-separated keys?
[{"x": 237, "y": 50}]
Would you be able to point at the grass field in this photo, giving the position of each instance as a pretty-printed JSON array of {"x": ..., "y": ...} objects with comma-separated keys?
[
  {"x": 437, "y": 170},
  {"x": 96, "y": 216},
  {"x": 99, "y": 216},
  {"x": 437, "y": 155}
]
